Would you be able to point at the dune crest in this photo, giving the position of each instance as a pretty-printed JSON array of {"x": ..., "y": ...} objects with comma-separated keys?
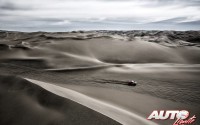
[
  {"x": 25, "y": 103},
  {"x": 122, "y": 116}
]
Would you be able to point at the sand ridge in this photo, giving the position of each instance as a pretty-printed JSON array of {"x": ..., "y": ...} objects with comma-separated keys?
[
  {"x": 122, "y": 116},
  {"x": 23, "y": 102}
]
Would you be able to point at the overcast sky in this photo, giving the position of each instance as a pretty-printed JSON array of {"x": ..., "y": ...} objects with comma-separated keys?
[{"x": 67, "y": 15}]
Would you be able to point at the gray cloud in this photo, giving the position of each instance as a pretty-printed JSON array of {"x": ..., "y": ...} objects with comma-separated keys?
[
  {"x": 88, "y": 14},
  {"x": 9, "y": 5}
]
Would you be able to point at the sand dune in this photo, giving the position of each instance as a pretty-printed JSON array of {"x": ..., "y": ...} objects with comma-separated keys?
[
  {"x": 122, "y": 116},
  {"x": 23, "y": 102},
  {"x": 133, "y": 102},
  {"x": 60, "y": 51},
  {"x": 81, "y": 77}
]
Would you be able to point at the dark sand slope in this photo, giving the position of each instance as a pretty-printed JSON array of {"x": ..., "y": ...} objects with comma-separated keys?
[{"x": 24, "y": 103}]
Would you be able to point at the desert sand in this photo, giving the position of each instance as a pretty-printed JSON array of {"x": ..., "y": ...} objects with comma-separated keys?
[{"x": 79, "y": 77}]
